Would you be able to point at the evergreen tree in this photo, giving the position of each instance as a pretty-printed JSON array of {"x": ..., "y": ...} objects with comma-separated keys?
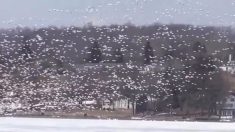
[
  {"x": 118, "y": 56},
  {"x": 26, "y": 51},
  {"x": 203, "y": 70},
  {"x": 199, "y": 48},
  {"x": 141, "y": 104},
  {"x": 148, "y": 54},
  {"x": 95, "y": 55},
  {"x": 60, "y": 66}
]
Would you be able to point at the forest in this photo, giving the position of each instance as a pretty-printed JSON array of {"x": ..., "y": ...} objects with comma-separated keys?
[{"x": 177, "y": 65}]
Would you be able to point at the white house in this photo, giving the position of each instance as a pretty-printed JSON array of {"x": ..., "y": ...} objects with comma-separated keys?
[
  {"x": 123, "y": 104},
  {"x": 8, "y": 104},
  {"x": 230, "y": 66},
  {"x": 107, "y": 104},
  {"x": 89, "y": 104},
  {"x": 227, "y": 107}
]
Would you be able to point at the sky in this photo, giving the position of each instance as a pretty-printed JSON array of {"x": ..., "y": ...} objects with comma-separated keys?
[{"x": 43, "y": 13}]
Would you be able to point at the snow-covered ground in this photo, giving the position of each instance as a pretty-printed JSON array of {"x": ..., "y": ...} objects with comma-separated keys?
[{"x": 86, "y": 125}]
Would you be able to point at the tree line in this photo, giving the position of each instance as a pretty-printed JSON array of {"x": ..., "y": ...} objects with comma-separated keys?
[{"x": 174, "y": 64}]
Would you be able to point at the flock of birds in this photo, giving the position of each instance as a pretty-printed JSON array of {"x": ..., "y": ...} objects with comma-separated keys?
[
  {"x": 34, "y": 71},
  {"x": 48, "y": 65}
]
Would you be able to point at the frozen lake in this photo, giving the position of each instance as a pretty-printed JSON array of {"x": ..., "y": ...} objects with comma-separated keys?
[{"x": 87, "y": 125}]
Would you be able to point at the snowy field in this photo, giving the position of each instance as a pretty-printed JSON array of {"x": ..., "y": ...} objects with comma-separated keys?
[{"x": 79, "y": 125}]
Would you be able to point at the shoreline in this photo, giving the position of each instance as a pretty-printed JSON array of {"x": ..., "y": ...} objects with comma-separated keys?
[{"x": 133, "y": 118}]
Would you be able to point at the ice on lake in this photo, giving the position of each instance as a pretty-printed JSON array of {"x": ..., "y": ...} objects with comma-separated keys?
[{"x": 90, "y": 125}]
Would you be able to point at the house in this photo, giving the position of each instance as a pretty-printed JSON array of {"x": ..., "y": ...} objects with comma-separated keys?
[
  {"x": 227, "y": 108},
  {"x": 123, "y": 104},
  {"x": 230, "y": 66},
  {"x": 151, "y": 68},
  {"x": 89, "y": 104},
  {"x": 9, "y": 105},
  {"x": 106, "y": 104},
  {"x": 118, "y": 104}
]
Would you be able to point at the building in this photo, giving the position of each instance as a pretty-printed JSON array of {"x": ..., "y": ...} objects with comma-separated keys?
[
  {"x": 227, "y": 108},
  {"x": 118, "y": 104},
  {"x": 123, "y": 104},
  {"x": 106, "y": 104},
  {"x": 90, "y": 104},
  {"x": 229, "y": 66}
]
